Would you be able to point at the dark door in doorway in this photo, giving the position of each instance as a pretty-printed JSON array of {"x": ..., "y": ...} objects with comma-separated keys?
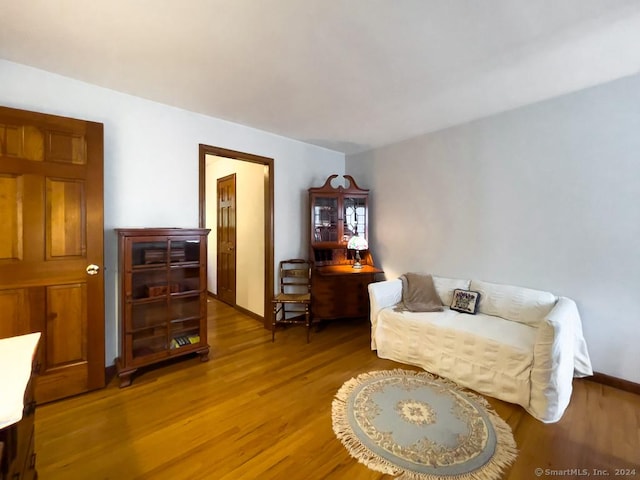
[{"x": 226, "y": 245}]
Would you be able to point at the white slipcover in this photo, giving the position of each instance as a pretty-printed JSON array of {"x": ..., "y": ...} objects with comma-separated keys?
[
  {"x": 16, "y": 358},
  {"x": 529, "y": 360}
]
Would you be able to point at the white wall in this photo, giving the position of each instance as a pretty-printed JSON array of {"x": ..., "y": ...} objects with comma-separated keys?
[
  {"x": 546, "y": 196},
  {"x": 151, "y": 163},
  {"x": 249, "y": 229}
]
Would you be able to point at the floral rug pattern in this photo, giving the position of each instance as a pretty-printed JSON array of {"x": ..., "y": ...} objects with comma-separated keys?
[{"x": 418, "y": 427}]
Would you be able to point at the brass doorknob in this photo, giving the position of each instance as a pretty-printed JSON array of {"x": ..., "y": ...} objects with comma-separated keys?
[{"x": 93, "y": 269}]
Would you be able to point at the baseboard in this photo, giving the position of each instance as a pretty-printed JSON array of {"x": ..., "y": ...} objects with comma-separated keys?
[
  {"x": 615, "y": 382},
  {"x": 249, "y": 313}
]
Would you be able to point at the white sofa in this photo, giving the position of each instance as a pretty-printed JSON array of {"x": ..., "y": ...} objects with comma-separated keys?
[{"x": 523, "y": 346}]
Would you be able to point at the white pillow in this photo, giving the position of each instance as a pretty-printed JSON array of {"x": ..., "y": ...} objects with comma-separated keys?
[
  {"x": 523, "y": 305},
  {"x": 445, "y": 287}
]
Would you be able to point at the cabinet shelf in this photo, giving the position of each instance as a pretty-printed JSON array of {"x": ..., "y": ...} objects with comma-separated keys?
[
  {"x": 173, "y": 348},
  {"x": 184, "y": 264},
  {"x": 141, "y": 301},
  {"x": 163, "y": 287},
  {"x": 143, "y": 354},
  {"x": 185, "y": 319},
  {"x": 140, "y": 330},
  {"x": 190, "y": 293},
  {"x": 145, "y": 268},
  {"x": 150, "y": 336},
  {"x": 163, "y": 298},
  {"x": 163, "y": 266}
]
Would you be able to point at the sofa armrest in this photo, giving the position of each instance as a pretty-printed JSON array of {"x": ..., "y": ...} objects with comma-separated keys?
[
  {"x": 381, "y": 295},
  {"x": 559, "y": 354}
]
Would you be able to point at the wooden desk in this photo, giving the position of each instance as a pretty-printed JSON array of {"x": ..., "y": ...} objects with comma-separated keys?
[{"x": 340, "y": 291}]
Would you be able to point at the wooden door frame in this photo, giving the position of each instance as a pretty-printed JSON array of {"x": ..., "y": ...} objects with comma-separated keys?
[{"x": 205, "y": 150}]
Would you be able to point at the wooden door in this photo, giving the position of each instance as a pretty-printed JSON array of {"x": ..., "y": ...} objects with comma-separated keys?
[
  {"x": 51, "y": 246},
  {"x": 226, "y": 234}
]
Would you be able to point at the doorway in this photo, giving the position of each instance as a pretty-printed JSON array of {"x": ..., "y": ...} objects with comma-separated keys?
[{"x": 266, "y": 227}]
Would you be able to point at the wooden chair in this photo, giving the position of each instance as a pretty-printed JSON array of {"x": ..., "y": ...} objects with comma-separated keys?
[{"x": 295, "y": 290}]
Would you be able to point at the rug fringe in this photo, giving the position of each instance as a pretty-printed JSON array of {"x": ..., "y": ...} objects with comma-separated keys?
[
  {"x": 343, "y": 432},
  {"x": 506, "y": 449}
]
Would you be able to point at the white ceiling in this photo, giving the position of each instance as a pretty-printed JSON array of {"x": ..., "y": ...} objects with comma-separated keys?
[{"x": 348, "y": 75}]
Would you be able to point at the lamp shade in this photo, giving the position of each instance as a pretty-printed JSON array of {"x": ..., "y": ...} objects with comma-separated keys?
[{"x": 357, "y": 243}]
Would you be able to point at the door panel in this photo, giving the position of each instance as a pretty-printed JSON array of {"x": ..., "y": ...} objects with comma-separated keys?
[
  {"x": 65, "y": 222},
  {"x": 22, "y": 141},
  {"x": 11, "y": 214},
  {"x": 66, "y": 317},
  {"x": 15, "y": 313},
  {"x": 51, "y": 195},
  {"x": 66, "y": 148}
]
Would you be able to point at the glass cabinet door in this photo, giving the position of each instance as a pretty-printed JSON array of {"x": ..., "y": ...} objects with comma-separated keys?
[
  {"x": 185, "y": 251},
  {"x": 339, "y": 223},
  {"x": 185, "y": 301},
  {"x": 148, "y": 342},
  {"x": 355, "y": 217},
  {"x": 184, "y": 280},
  {"x": 325, "y": 219},
  {"x": 163, "y": 296},
  {"x": 185, "y": 321},
  {"x": 148, "y": 253}
]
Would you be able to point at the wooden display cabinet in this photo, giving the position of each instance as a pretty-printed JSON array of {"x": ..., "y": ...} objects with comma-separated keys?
[
  {"x": 163, "y": 299},
  {"x": 337, "y": 214}
]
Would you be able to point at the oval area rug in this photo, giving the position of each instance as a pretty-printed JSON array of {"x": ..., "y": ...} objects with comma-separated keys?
[{"x": 419, "y": 427}]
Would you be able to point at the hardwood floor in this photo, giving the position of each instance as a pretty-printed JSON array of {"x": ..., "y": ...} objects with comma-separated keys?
[{"x": 262, "y": 410}]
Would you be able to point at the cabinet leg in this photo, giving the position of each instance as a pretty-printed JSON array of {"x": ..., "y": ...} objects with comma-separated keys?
[
  {"x": 125, "y": 377},
  {"x": 204, "y": 355}
]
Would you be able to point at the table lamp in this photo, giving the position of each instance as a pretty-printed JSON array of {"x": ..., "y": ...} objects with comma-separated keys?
[{"x": 357, "y": 243}]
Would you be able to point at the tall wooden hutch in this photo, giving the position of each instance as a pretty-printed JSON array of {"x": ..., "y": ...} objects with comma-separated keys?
[
  {"x": 163, "y": 289},
  {"x": 338, "y": 214}
]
